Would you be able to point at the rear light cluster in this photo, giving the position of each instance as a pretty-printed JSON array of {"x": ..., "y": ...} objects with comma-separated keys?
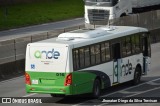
[
  {"x": 68, "y": 80},
  {"x": 27, "y": 79}
]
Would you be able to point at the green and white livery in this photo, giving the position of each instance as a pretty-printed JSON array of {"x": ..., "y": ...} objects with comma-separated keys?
[{"x": 87, "y": 60}]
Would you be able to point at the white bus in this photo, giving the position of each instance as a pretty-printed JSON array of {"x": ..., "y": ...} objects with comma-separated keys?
[
  {"x": 98, "y": 12},
  {"x": 87, "y": 60}
]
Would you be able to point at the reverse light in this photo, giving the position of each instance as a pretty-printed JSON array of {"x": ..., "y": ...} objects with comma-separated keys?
[
  {"x": 68, "y": 80},
  {"x": 27, "y": 79}
]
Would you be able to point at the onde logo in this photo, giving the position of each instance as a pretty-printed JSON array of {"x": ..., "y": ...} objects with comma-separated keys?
[{"x": 46, "y": 54}]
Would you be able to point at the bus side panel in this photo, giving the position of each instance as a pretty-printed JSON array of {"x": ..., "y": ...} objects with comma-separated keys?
[
  {"x": 101, "y": 70},
  {"x": 83, "y": 79},
  {"x": 128, "y": 67},
  {"x": 82, "y": 82}
]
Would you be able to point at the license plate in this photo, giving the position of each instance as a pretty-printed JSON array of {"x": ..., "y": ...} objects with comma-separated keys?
[{"x": 34, "y": 81}]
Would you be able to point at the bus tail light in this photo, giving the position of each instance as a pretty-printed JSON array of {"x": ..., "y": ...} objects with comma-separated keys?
[
  {"x": 68, "y": 80},
  {"x": 27, "y": 79}
]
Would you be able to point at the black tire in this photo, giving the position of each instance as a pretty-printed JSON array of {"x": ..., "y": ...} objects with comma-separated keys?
[
  {"x": 137, "y": 76},
  {"x": 96, "y": 88}
]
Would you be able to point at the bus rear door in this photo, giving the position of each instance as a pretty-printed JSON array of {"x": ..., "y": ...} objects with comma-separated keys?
[
  {"x": 116, "y": 62},
  {"x": 146, "y": 53}
]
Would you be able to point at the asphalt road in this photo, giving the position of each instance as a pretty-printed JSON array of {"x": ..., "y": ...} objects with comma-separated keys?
[
  {"x": 30, "y": 30},
  {"x": 149, "y": 87}
]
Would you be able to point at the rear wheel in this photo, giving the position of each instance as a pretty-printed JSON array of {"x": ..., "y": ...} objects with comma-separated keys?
[
  {"x": 96, "y": 88},
  {"x": 137, "y": 76}
]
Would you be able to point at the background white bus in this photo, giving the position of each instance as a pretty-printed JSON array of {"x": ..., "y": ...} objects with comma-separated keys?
[
  {"x": 98, "y": 12},
  {"x": 87, "y": 60}
]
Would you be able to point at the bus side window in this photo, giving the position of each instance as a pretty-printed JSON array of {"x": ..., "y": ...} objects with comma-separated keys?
[
  {"x": 92, "y": 55},
  {"x": 146, "y": 45},
  {"x": 87, "y": 56},
  {"x": 107, "y": 49},
  {"x": 128, "y": 45},
  {"x": 137, "y": 42},
  {"x": 124, "y": 53},
  {"x": 97, "y": 53},
  {"x": 81, "y": 54},
  {"x": 149, "y": 46},
  {"x": 133, "y": 44},
  {"x": 75, "y": 59},
  {"x": 103, "y": 52}
]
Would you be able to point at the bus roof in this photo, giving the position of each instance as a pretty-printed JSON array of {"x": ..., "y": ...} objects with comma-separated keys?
[{"x": 84, "y": 37}]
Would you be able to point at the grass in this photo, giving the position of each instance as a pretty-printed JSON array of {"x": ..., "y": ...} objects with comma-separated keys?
[{"x": 26, "y": 14}]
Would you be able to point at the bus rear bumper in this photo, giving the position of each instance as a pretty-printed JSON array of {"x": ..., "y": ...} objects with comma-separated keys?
[{"x": 48, "y": 89}]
